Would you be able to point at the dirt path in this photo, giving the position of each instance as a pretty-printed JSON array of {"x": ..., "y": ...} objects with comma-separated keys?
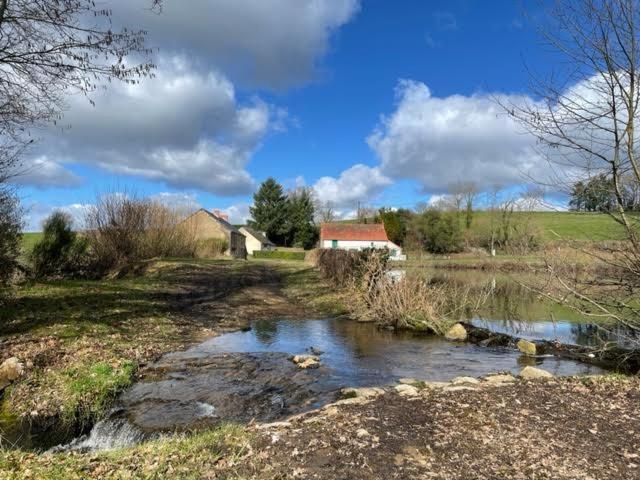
[{"x": 558, "y": 429}]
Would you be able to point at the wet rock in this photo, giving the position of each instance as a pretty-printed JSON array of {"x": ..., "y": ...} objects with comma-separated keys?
[
  {"x": 499, "y": 379},
  {"x": 456, "y": 333},
  {"x": 361, "y": 392},
  {"x": 405, "y": 390},
  {"x": 526, "y": 347},
  {"x": 530, "y": 373},
  {"x": 464, "y": 381},
  {"x": 315, "y": 351},
  {"x": 306, "y": 361},
  {"x": 10, "y": 370}
]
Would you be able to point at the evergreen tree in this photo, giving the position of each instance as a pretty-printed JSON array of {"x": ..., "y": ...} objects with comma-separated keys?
[
  {"x": 302, "y": 231},
  {"x": 270, "y": 210}
]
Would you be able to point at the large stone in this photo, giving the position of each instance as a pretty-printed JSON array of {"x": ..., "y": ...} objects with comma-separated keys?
[
  {"x": 10, "y": 370},
  {"x": 366, "y": 392},
  {"x": 500, "y": 379},
  {"x": 526, "y": 347},
  {"x": 464, "y": 381},
  {"x": 456, "y": 333},
  {"x": 530, "y": 373},
  {"x": 405, "y": 390}
]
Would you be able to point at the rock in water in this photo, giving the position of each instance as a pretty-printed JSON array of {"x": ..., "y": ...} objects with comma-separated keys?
[
  {"x": 456, "y": 333},
  {"x": 532, "y": 373},
  {"x": 10, "y": 370},
  {"x": 526, "y": 347}
]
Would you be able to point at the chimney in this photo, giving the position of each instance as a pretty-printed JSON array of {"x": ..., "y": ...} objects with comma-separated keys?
[{"x": 222, "y": 216}]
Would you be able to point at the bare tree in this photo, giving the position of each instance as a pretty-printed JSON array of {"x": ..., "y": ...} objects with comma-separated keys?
[
  {"x": 324, "y": 212},
  {"x": 49, "y": 49},
  {"x": 584, "y": 120}
]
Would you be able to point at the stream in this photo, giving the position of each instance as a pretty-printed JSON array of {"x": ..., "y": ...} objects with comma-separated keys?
[{"x": 248, "y": 375}]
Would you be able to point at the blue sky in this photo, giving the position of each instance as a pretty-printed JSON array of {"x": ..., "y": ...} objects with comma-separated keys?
[{"x": 383, "y": 102}]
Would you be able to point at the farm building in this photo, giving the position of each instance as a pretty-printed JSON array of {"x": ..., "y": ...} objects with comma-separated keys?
[
  {"x": 208, "y": 225},
  {"x": 256, "y": 241},
  {"x": 357, "y": 236}
]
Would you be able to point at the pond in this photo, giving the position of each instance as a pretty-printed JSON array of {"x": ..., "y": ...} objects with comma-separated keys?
[{"x": 249, "y": 375}]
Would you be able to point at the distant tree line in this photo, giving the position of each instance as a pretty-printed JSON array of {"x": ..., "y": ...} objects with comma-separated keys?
[{"x": 598, "y": 194}]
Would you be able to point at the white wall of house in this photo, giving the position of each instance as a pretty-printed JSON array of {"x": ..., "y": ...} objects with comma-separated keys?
[
  {"x": 396, "y": 251},
  {"x": 252, "y": 244}
]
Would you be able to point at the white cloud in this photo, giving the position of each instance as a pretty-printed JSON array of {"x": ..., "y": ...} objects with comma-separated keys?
[
  {"x": 43, "y": 172},
  {"x": 183, "y": 128},
  {"x": 266, "y": 43},
  {"x": 37, "y": 212},
  {"x": 238, "y": 213},
  {"x": 358, "y": 183},
  {"x": 441, "y": 141}
]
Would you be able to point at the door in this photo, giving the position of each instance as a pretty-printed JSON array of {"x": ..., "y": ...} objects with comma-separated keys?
[{"x": 334, "y": 243}]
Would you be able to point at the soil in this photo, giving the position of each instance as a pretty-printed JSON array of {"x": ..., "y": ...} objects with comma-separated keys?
[{"x": 557, "y": 429}]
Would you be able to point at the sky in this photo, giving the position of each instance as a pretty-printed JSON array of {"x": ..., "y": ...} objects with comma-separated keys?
[{"x": 377, "y": 102}]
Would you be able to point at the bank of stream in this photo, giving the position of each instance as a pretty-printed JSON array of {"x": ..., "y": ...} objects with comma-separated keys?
[{"x": 248, "y": 375}]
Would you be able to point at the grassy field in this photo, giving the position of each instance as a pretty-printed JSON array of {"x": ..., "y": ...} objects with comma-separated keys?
[
  {"x": 559, "y": 225},
  {"x": 565, "y": 225},
  {"x": 29, "y": 239}
]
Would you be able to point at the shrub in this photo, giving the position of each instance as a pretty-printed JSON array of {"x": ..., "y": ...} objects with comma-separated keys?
[
  {"x": 343, "y": 266},
  {"x": 60, "y": 251},
  {"x": 10, "y": 234},
  {"x": 122, "y": 229},
  {"x": 279, "y": 255}
]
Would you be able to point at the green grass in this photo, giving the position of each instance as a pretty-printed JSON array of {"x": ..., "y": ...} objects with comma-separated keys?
[
  {"x": 187, "y": 456},
  {"x": 29, "y": 240},
  {"x": 565, "y": 225}
]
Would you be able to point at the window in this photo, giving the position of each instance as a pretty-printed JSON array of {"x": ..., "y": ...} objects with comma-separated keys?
[
  {"x": 334, "y": 243},
  {"x": 393, "y": 253}
]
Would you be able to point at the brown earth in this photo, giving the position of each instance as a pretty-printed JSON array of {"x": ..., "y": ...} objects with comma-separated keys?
[{"x": 557, "y": 429}]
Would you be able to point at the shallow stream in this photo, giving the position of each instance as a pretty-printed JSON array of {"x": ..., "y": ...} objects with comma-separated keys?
[{"x": 248, "y": 375}]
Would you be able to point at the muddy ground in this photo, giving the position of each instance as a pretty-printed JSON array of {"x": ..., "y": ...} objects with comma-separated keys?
[{"x": 557, "y": 429}]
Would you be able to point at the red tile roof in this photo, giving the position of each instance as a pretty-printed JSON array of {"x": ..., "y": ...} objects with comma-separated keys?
[{"x": 353, "y": 231}]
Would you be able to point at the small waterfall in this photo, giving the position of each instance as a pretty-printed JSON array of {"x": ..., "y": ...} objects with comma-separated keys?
[{"x": 107, "y": 434}]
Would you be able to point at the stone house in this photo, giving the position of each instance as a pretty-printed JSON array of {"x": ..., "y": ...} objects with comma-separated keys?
[{"x": 214, "y": 225}]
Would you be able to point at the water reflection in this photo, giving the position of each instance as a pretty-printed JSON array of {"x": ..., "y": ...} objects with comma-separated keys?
[
  {"x": 360, "y": 354},
  {"x": 510, "y": 307}
]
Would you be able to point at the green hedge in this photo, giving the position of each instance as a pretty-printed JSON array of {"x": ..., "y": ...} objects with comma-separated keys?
[{"x": 279, "y": 255}]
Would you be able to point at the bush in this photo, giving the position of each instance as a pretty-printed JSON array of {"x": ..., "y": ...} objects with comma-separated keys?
[
  {"x": 10, "y": 234},
  {"x": 278, "y": 255},
  {"x": 343, "y": 266},
  {"x": 122, "y": 230},
  {"x": 60, "y": 251},
  {"x": 438, "y": 232}
]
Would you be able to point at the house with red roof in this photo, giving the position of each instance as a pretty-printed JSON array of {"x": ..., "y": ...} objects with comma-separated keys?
[{"x": 358, "y": 236}]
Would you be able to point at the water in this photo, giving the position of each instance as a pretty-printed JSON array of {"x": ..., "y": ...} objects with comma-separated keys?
[{"x": 249, "y": 375}]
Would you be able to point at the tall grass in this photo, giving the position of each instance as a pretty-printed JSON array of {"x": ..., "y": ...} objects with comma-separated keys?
[{"x": 408, "y": 303}]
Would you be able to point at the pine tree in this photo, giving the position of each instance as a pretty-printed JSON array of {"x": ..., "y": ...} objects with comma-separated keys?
[
  {"x": 269, "y": 211},
  {"x": 302, "y": 231}
]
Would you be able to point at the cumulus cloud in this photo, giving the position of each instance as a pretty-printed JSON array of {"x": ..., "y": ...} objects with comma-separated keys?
[
  {"x": 440, "y": 141},
  {"x": 238, "y": 213},
  {"x": 36, "y": 213},
  {"x": 358, "y": 183},
  {"x": 268, "y": 43},
  {"x": 43, "y": 172},
  {"x": 184, "y": 128}
]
